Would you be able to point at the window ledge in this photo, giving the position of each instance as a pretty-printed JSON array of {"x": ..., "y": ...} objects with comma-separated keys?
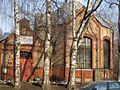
[
  {"x": 78, "y": 69},
  {"x": 106, "y": 69}
]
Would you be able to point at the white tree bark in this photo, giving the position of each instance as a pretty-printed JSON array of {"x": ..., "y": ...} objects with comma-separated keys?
[
  {"x": 76, "y": 36},
  {"x": 46, "y": 71},
  {"x": 90, "y": 5},
  {"x": 17, "y": 46},
  {"x": 71, "y": 83}
]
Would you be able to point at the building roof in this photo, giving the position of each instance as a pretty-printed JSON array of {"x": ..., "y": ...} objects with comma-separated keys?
[
  {"x": 6, "y": 34},
  {"x": 103, "y": 22},
  {"x": 64, "y": 13},
  {"x": 61, "y": 14}
]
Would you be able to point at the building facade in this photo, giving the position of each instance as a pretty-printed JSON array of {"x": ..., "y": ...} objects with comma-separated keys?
[
  {"x": 95, "y": 57},
  {"x": 31, "y": 59}
]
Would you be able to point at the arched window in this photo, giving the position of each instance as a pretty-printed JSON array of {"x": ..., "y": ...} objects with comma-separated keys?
[
  {"x": 84, "y": 57},
  {"x": 106, "y": 54}
]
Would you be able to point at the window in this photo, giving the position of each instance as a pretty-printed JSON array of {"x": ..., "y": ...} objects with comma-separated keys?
[
  {"x": 101, "y": 86},
  {"x": 114, "y": 85},
  {"x": 106, "y": 54},
  {"x": 84, "y": 57},
  {"x": 24, "y": 31},
  {"x": 25, "y": 55}
]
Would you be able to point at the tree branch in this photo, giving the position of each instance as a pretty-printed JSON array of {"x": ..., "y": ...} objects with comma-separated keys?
[{"x": 94, "y": 9}]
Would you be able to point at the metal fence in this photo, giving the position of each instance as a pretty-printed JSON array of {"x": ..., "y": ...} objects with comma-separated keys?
[{"x": 58, "y": 74}]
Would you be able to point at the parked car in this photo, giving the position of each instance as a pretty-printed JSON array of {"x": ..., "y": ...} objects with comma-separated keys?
[{"x": 102, "y": 85}]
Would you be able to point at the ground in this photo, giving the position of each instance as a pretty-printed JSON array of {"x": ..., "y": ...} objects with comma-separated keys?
[{"x": 29, "y": 86}]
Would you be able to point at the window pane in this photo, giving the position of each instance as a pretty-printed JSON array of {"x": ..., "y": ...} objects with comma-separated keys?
[
  {"x": 101, "y": 86},
  {"x": 84, "y": 53},
  {"x": 81, "y": 59},
  {"x": 24, "y": 31},
  {"x": 113, "y": 85},
  {"x": 106, "y": 54},
  {"x": 82, "y": 44}
]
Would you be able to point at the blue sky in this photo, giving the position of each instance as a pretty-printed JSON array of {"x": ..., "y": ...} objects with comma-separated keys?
[{"x": 6, "y": 14}]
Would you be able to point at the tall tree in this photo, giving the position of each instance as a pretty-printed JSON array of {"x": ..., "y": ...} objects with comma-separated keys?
[
  {"x": 46, "y": 70},
  {"x": 77, "y": 35},
  {"x": 74, "y": 50},
  {"x": 119, "y": 40},
  {"x": 17, "y": 46}
]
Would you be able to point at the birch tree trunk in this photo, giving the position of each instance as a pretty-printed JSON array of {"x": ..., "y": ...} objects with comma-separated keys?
[
  {"x": 17, "y": 46},
  {"x": 76, "y": 39},
  {"x": 71, "y": 82},
  {"x": 46, "y": 70},
  {"x": 119, "y": 41}
]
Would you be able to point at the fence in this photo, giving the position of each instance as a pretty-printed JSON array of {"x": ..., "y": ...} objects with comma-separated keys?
[
  {"x": 58, "y": 74},
  {"x": 29, "y": 73}
]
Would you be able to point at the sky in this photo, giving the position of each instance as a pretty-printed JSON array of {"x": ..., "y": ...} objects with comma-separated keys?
[
  {"x": 7, "y": 11},
  {"x": 7, "y": 14}
]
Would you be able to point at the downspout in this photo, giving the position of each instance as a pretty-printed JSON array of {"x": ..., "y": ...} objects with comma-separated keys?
[{"x": 64, "y": 25}]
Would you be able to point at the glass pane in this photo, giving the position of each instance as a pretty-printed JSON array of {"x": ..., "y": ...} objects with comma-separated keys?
[
  {"x": 106, "y": 54},
  {"x": 113, "y": 85},
  {"x": 84, "y": 53},
  {"x": 82, "y": 46},
  {"x": 24, "y": 31},
  {"x": 101, "y": 86},
  {"x": 81, "y": 59},
  {"x": 87, "y": 65}
]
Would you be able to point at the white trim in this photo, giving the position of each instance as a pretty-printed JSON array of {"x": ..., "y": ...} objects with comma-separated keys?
[
  {"x": 106, "y": 69},
  {"x": 84, "y": 69}
]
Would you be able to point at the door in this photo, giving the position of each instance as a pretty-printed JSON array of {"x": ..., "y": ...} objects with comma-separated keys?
[{"x": 26, "y": 64}]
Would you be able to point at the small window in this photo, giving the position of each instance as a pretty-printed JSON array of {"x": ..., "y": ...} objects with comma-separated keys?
[
  {"x": 25, "y": 55},
  {"x": 24, "y": 31}
]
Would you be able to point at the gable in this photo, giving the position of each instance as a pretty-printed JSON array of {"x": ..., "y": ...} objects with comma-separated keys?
[{"x": 25, "y": 39}]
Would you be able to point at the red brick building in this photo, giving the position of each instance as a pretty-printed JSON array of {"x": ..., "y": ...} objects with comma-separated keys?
[
  {"x": 31, "y": 59},
  {"x": 95, "y": 59}
]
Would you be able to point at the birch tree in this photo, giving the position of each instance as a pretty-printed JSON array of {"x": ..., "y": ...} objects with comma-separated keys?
[
  {"x": 74, "y": 50},
  {"x": 77, "y": 35},
  {"x": 17, "y": 46},
  {"x": 46, "y": 68},
  {"x": 119, "y": 40}
]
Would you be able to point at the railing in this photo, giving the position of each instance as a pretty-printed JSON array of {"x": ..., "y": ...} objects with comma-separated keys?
[{"x": 58, "y": 74}]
